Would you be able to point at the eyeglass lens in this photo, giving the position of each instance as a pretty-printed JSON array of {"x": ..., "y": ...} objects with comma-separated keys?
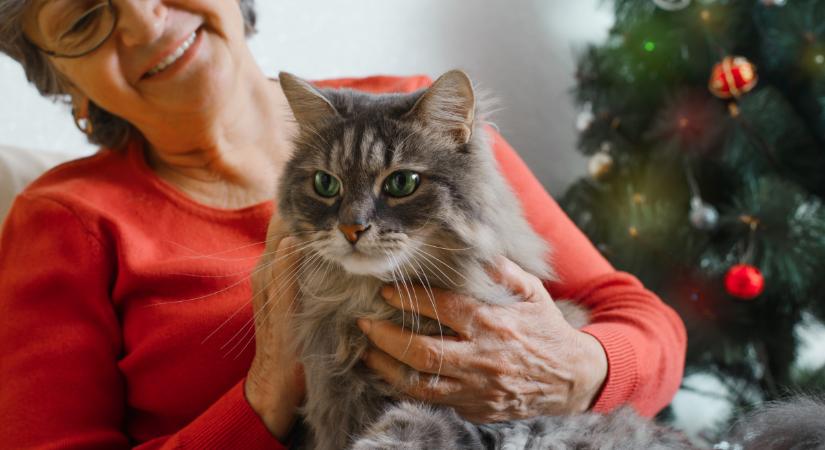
[{"x": 75, "y": 27}]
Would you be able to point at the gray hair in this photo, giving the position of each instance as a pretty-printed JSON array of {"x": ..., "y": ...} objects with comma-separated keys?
[{"x": 109, "y": 130}]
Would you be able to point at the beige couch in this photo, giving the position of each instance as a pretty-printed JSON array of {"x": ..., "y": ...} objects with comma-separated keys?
[{"x": 18, "y": 167}]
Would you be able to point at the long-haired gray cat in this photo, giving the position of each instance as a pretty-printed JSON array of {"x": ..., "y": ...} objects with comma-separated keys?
[{"x": 404, "y": 188}]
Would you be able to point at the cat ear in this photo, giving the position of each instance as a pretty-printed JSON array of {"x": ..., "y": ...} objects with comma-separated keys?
[
  {"x": 310, "y": 108},
  {"x": 449, "y": 105}
]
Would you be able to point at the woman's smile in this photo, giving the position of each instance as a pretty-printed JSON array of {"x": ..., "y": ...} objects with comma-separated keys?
[{"x": 173, "y": 57}]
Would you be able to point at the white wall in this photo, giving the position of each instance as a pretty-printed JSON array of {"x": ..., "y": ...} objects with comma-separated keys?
[{"x": 520, "y": 50}]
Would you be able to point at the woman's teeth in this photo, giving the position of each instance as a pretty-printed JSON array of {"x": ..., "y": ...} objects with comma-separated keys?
[{"x": 174, "y": 56}]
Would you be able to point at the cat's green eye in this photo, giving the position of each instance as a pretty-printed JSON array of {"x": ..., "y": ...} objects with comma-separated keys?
[
  {"x": 402, "y": 183},
  {"x": 326, "y": 185}
]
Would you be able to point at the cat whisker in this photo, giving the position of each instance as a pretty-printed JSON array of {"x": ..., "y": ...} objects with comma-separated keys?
[
  {"x": 292, "y": 277},
  {"x": 444, "y": 283},
  {"x": 323, "y": 262},
  {"x": 327, "y": 266},
  {"x": 397, "y": 268},
  {"x": 222, "y": 290},
  {"x": 430, "y": 255},
  {"x": 431, "y": 296},
  {"x": 428, "y": 259},
  {"x": 414, "y": 302},
  {"x": 268, "y": 305},
  {"x": 422, "y": 243},
  {"x": 397, "y": 288},
  {"x": 237, "y": 311},
  {"x": 409, "y": 298},
  {"x": 215, "y": 255},
  {"x": 416, "y": 313},
  {"x": 251, "y": 321},
  {"x": 246, "y": 271},
  {"x": 251, "y": 339}
]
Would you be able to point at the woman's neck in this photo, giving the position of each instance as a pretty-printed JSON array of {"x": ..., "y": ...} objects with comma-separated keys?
[{"x": 229, "y": 157}]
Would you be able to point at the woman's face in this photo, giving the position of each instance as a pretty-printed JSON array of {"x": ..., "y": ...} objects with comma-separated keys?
[{"x": 135, "y": 73}]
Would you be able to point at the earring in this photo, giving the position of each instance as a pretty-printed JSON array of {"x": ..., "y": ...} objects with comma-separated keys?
[{"x": 83, "y": 123}]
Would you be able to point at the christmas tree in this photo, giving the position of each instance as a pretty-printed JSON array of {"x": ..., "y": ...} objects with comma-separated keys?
[{"x": 704, "y": 122}]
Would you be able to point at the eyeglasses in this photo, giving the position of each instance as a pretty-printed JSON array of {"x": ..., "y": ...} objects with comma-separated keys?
[{"x": 75, "y": 28}]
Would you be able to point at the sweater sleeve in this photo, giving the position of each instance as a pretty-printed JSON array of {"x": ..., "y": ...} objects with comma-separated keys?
[
  {"x": 60, "y": 341},
  {"x": 644, "y": 339}
]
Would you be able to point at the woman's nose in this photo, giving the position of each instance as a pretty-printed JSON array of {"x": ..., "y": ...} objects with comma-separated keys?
[{"x": 140, "y": 21}]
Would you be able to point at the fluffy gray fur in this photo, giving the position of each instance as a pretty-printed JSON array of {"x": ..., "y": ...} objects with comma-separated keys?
[
  {"x": 794, "y": 424},
  {"x": 444, "y": 234}
]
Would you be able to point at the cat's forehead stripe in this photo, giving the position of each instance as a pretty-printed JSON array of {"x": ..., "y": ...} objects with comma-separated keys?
[
  {"x": 368, "y": 148},
  {"x": 387, "y": 146},
  {"x": 348, "y": 147},
  {"x": 332, "y": 153}
]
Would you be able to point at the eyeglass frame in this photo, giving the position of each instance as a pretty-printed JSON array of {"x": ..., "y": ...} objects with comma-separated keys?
[{"x": 55, "y": 54}]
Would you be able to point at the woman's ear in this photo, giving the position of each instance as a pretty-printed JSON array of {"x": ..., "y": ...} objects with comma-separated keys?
[
  {"x": 80, "y": 110},
  {"x": 76, "y": 96},
  {"x": 80, "y": 105}
]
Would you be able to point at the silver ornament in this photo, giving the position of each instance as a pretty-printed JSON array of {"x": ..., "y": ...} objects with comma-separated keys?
[
  {"x": 702, "y": 215},
  {"x": 672, "y": 5},
  {"x": 585, "y": 118},
  {"x": 600, "y": 165}
]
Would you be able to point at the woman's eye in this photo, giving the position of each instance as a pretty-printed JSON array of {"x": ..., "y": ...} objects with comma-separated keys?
[
  {"x": 326, "y": 185},
  {"x": 402, "y": 183},
  {"x": 86, "y": 21},
  {"x": 83, "y": 23}
]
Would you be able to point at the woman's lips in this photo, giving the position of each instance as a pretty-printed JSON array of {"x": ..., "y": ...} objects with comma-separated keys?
[{"x": 173, "y": 57}]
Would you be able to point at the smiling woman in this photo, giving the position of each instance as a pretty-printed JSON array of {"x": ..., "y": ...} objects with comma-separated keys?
[
  {"x": 71, "y": 29},
  {"x": 126, "y": 313}
]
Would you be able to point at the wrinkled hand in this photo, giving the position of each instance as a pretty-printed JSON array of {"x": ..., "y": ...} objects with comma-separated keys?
[
  {"x": 507, "y": 362},
  {"x": 275, "y": 385}
]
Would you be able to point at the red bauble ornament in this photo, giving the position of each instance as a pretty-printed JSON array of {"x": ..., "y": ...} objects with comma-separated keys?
[
  {"x": 744, "y": 281},
  {"x": 732, "y": 77}
]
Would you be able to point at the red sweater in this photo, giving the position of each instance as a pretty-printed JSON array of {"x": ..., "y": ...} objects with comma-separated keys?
[{"x": 125, "y": 312}]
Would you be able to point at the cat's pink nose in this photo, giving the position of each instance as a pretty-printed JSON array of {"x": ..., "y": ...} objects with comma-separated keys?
[{"x": 353, "y": 231}]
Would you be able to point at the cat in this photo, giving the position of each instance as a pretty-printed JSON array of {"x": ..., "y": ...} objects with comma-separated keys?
[{"x": 404, "y": 188}]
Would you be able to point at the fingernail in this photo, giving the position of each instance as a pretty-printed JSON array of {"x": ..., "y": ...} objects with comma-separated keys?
[
  {"x": 386, "y": 292},
  {"x": 286, "y": 242},
  {"x": 364, "y": 324}
]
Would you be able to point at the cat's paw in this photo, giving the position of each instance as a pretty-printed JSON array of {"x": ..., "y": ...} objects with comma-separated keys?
[{"x": 414, "y": 426}]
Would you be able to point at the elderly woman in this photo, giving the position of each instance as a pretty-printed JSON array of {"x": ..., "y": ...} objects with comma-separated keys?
[{"x": 125, "y": 303}]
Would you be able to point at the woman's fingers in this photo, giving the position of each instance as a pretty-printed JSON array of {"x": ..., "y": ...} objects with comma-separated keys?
[
  {"x": 512, "y": 276},
  {"x": 429, "y": 354},
  {"x": 426, "y": 387},
  {"x": 453, "y": 310}
]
